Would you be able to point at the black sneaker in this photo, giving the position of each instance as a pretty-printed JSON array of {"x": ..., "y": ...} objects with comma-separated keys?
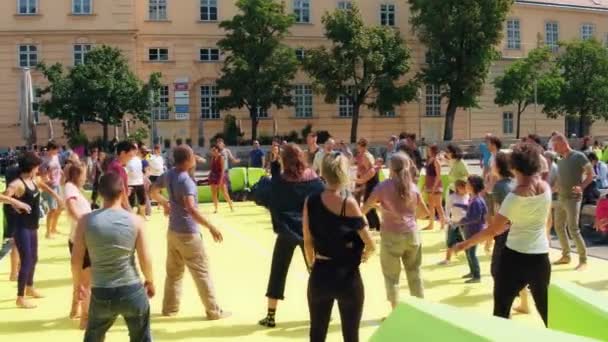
[
  {"x": 473, "y": 281},
  {"x": 267, "y": 322},
  {"x": 467, "y": 276}
]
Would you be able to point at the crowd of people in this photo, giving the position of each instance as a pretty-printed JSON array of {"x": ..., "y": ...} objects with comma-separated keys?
[{"x": 324, "y": 200}]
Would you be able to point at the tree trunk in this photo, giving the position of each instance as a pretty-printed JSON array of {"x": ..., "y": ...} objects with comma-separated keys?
[
  {"x": 253, "y": 114},
  {"x": 519, "y": 113},
  {"x": 105, "y": 135},
  {"x": 201, "y": 132},
  {"x": 450, "y": 114},
  {"x": 354, "y": 124}
]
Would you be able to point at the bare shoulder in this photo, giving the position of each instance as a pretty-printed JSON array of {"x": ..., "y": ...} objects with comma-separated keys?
[
  {"x": 138, "y": 221},
  {"x": 352, "y": 207}
]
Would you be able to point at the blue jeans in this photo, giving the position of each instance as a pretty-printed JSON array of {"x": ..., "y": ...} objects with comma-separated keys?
[
  {"x": 131, "y": 302},
  {"x": 473, "y": 262}
]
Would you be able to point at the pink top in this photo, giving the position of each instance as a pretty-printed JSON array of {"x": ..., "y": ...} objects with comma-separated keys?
[
  {"x": 397, "y": 215},
  {"x": 71, "y": 192},
  {"x": 601, "y": 212}
]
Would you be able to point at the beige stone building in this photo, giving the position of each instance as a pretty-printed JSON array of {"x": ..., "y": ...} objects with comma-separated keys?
[{"x": 178, "y": 38}]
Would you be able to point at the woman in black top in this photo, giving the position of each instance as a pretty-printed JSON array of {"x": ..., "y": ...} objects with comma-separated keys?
[
  {"x": 26, "y": 189},
  {"x": 289, "y": 189},
  {"x": 336, "y": 241}
]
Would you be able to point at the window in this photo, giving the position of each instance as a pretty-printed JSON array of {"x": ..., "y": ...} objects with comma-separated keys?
[
  {"x": 208, "y": 10},
  {"x": 387, "y": 15},
  {"x": 552, "y": 35},
  {"x": 345, "y": 102},
  {"x": 387, "y": 113},
  {"x": 158, "y": 54},
  {"x": 82, "y": 7},
  {"x": 28, "y": 56},
  {"x": 507, "y": 123},
  {"x": 80, "y": 52},
  {"x": 433, "y": 100},
  {"x": 161, "y": 112},
  {"x": 301, "y": 9},
  {"x": 262, "y": 113},
  {"x": 157, "y": 10},
  {"x": 209, "y": 95},
  {"x": 303, "y": 100},
  {"x": 36, "y": 105},
  {"x": 587, "y": 31},
  {"x": 209, "y": 54},
  {"x": 345, "y": 5},
  {"x": 300, "y": 54},
  {"x": 513, "y": 34},
  {"x": 28, "y": 6}
]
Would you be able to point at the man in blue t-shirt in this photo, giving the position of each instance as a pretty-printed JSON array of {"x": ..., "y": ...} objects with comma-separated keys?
[{"x": 256, "y": 156}]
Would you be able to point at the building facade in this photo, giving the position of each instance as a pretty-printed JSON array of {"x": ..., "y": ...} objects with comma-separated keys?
[{"x": 179, "y": 39}]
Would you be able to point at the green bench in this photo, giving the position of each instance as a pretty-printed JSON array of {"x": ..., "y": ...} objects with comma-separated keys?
[
  {"x": 577, "y": 310},
  {"x": 419, "y": 320}
]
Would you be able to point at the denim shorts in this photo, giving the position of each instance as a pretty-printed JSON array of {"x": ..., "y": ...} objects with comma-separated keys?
[{"x": 51, "y": 202}]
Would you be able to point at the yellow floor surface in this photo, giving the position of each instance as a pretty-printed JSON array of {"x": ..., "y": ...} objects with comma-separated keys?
[{"x": 240, "y": 268}]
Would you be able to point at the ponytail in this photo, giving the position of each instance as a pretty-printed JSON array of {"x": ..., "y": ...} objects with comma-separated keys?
[{"x": 400, "y": 166}]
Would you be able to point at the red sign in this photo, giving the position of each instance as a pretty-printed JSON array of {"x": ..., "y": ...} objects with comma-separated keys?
[{"x": 181, "y": 86}]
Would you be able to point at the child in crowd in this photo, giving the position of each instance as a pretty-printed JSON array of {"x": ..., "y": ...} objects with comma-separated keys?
[
  {"x": 473, "y": 222},
  {"x": 455, "y": 209}
]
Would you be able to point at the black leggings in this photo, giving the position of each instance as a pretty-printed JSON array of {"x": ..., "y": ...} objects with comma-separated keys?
[
  {"x": 514, "y": 272},
  {"x": 329, "y": 282},
  {"x": 284, "y": 246}
]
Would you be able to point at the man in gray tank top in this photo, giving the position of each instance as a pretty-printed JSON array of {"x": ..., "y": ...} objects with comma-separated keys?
[
  {"x": 185, "y": 246},
  {"x": 112, "y": 235}
]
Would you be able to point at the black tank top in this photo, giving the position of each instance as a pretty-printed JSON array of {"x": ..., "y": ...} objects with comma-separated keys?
[
  {"x": 335, "y": 236},
  {"x": 32, "y": 198}
]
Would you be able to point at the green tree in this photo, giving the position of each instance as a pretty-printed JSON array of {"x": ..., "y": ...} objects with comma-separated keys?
[
  {"x": 101, "y": 90},
  {"x": 461, "y": 37},
  {"x": 526, "y": 81},
  {"x": 365, "y": 64},
  {"x": 582, "y": 92},
  {"x": 258, "y": 68}
]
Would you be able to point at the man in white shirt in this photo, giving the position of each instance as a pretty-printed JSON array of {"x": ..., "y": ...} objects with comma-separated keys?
[
  {"x": 601, "y": 170},
  {"x": 157, "y": 164},
  {"x": 137, "y": 192},
  {"x": 328, "y": 148}
]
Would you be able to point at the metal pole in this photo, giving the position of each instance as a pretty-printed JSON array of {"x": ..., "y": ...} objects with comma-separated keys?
[
  {"x": 419, "y": 93},
  {"x": 535, "y": 103}
]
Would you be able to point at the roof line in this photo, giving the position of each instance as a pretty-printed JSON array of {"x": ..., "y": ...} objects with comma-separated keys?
[{"x": 566, "y": 6}]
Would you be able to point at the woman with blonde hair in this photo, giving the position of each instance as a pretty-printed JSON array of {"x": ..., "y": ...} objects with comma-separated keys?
[
  {"x": 400, "y": 242},
  {"x": 336, "y": 241},
  {"x": 78, "y": 206}
]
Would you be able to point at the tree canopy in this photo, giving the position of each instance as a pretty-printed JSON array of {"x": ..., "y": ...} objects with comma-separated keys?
[
  {"x": 103, "y": 89},
  {"x": 581, "y": 92},
  {"x": 525, "y": 81},
  {"x": 461, "y": 37},
  {"x": 258, "y": 67},
  {"x": 364, "y": 64}
]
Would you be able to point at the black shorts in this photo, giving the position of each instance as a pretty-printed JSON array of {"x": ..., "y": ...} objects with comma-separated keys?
[
  {"x": 153, "y": 179},
  {"x": 87, "y": 261},
  {"x": 137, "y": 196}
]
